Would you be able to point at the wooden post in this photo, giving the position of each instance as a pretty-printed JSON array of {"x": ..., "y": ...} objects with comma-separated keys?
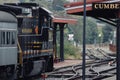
[
  {"x": 54, "y": 42},
  {"x": 62, "y": 41}
]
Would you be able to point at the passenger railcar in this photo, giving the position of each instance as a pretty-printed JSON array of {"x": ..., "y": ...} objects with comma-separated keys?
[
  {"x": 26, "y": 43},
  {"x": 8, "y": 44}
]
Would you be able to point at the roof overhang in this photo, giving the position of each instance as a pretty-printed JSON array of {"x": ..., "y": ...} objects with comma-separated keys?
[
  {"x": 77, "y": 9},
  {"x": 61, "y": 20}
]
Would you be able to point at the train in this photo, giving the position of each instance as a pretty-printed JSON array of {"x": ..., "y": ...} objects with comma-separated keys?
[{"x": 26, "y": 40}]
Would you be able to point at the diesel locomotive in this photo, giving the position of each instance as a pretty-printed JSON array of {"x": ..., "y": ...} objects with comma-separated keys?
[{"x": 26, "y": 40}]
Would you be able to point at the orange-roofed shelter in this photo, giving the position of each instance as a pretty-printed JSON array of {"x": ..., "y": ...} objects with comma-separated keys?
[
  {"x": 60, "y": 22},
  {"x": 111, "y": 16}
]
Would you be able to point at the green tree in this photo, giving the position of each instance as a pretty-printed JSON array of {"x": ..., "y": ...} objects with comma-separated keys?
[
  {"x": 8, "y": 1},
  {"x": 91, "y": 31},
  {"x": 42, "y": 3},
  {"x": 57, "y": 5},
  {"x": 76, "y": 29},
  {"x": 107, "y": 33}
]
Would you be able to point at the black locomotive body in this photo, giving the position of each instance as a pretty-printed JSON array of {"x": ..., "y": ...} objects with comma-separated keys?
[{"x": 28, "y": 44}]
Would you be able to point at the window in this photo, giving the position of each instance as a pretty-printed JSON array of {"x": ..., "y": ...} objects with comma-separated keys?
[
  {"x": 7, "y": 38},
  {"x": 3, "y": 37},
  {"x": 0, "y": 38},
  {"x": 13, "y": 37}
]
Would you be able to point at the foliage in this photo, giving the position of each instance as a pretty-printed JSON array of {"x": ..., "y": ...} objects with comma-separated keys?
[
  {"x": 107, "y": 33},
  {"x": 57, "y": 5},
  {"x": 8, "y": 1},
  {"x": 71, "y": 50},
  {"x": 91, "y": 30},
  {"x": 43, "y": 3},
  {"x": 76, "y": 29}
]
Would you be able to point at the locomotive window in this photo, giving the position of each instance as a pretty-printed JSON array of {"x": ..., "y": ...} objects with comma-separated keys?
[{"x": 45, "y": 22}]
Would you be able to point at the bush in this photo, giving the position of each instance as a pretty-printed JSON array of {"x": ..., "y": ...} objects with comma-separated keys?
[{"x": 71, "y": 51}]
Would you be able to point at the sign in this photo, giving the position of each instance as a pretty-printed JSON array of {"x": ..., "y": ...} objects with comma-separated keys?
[
  {"x": 26, "y": 30},
  {"x": 106, "y": 6},
  {"x": 70, "y": 37}
]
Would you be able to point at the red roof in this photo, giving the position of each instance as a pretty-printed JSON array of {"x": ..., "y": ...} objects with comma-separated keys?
[
  {"x": 64, "y": 20},
  {"x": 81, "y": 3},
  {"x": 77, "y": 8}
]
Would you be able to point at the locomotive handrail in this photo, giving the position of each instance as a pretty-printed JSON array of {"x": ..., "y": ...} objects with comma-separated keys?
[{"x": 21, "y": 54}]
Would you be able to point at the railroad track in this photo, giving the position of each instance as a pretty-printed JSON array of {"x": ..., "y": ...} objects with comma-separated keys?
[
  {"x": 98, "y": 54},
  {"x": 95, "y": 70},
  {"x": 95, "y": 74}
]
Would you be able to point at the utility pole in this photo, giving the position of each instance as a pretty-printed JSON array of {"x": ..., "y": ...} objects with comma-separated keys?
[{"x": 84, "y": 42}]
